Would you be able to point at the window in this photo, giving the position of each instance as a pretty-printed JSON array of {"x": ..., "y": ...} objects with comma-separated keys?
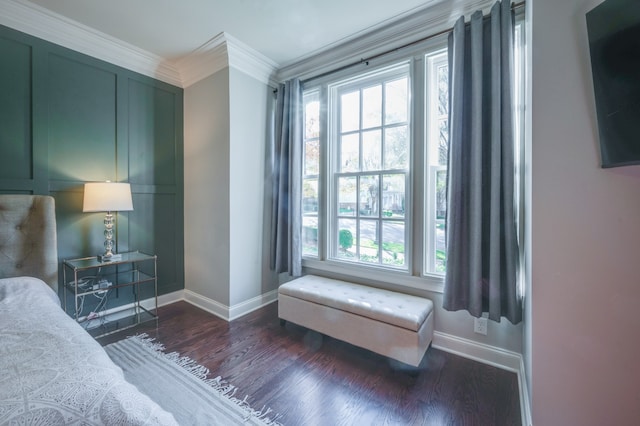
[
  {"x": 375, "y": 166},
  {"x": 310, "y": 174},
  {"x": 369, "y": 169},
  {"x": 437, "y": 147}
]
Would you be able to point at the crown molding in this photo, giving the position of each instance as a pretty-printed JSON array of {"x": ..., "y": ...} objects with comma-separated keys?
[
  {"x": 250, "y": 61},
  {"x": 39, "y": 22},
  {"x": 206, "y": 60},
  {"x": 433, "y": 17},
  {"x": 225, "y": 51}
]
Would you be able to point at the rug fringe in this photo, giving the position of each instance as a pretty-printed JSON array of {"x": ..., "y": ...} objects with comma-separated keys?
[{"x": 217, "y": 384}]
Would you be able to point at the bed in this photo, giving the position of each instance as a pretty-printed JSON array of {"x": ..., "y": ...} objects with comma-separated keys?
[{"x": 51, "y": 370}]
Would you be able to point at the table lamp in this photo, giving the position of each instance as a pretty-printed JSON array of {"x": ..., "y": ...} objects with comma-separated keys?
[{"x": 107, "y": 197}]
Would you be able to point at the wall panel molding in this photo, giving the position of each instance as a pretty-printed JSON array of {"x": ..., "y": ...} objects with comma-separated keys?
[
  {"x": 221, "y": 51},
  {"x": 84, "y": 119},
  {"x": 42, "y": 23}
]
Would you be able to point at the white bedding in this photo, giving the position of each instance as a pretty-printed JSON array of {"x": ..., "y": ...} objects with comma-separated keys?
[{"x": 53, "y": 372}]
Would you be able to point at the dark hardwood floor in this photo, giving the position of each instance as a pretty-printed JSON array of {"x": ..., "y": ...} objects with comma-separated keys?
[{"x": 311, "y": 379}]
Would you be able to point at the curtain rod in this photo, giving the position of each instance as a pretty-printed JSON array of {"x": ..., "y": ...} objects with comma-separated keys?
[{"x": 378, "y": 55}]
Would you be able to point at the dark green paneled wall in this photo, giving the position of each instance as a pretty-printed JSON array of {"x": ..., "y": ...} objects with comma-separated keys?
[
  {"x": 15, "y": 115},
  {"x": 65, "y": 119}
]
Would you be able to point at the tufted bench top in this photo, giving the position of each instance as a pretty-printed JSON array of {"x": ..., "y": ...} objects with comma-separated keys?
[{"x": 398, "y": 309}]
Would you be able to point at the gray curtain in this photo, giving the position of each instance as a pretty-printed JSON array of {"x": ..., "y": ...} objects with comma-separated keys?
[
  {"x": 482, "y": 248},
  {"x": 286, "y": 245}
]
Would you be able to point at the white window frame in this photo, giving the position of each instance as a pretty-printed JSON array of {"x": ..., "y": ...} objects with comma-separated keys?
[
  {"x": 386, "y": 74},
  {"x": 312, "y": 95},
  {"x": 433, "y": 60}
]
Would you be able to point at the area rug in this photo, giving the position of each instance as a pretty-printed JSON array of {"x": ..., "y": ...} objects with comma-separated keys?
[{"x": 182, "y": 387}]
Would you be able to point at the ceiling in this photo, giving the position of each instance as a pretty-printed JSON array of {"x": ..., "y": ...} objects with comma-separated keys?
[{"x": 281, "y": 30}]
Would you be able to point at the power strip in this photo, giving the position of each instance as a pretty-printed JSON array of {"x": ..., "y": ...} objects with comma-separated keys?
[{"x": 102, "y": 284}]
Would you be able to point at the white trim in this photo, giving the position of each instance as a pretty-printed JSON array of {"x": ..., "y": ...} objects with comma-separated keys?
[
  {"x": 206, "y": 60},
  {"x": 165, "y": 299},
  {"x": 525, "y": 406},
  {"x": 229, "y": 313},
  {"x": 127, "y": 309},
  {"x": 486, "y": 354},
  {"x": 40, "y": 22},
  {"x": 250, "y": 61},
  {"x": 390, "y": 279},
  {"x": 243, "y": 308},
  {"x": 433, "y": 17},
  {"x": 491, "y": 355},
  {"x": 209, "y": 305},
  {"x": 223, "y": 51}
]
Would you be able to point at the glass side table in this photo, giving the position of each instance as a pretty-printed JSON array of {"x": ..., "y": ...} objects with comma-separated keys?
[{"x": 91, "y": 279}]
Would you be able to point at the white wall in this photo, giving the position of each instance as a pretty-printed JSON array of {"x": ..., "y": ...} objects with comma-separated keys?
[
  {"x": 206, "y": 187},
  {"x": 586, "y": 237},
  {"x": 226, "y": 117},
  {"x": 248, "y": 142}
]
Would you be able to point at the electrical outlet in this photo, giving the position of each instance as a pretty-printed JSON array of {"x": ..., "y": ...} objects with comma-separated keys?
[{"x": 480, "y": 325}]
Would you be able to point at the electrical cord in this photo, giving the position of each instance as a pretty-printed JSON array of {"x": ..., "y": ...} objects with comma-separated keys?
[{"x": 86, "y": 284}]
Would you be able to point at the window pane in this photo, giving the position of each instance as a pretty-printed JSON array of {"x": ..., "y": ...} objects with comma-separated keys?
[
  {"x": 311, "y": 157},
  {"x": 369, "y": 241},
  {"x": 350, "y": 115},
  {"x": 347, "y": 196},
  {"x": 310, "y": 235},
  {"x": 312, "y": 119},
  {"x": 347, "y": 239},
  {"x": 441, "y": 194},
  {"x": 443, "y": 141},
  {"x": 441, "y": 247},
  {"x": 396, "y": 101},
  {"x": 309, "y": 196},
  {"x": 371, "y": 150},
  {"x": 396, "y": 148},
  {"x": 349, "y": 153},
  {"x": 372, "y": 107},
  {"x": 393, "y": 193},
  {"x": 443, "y": 89},
  {"x": 369, "y": 196},
  {"x": 393, "y": 244}
]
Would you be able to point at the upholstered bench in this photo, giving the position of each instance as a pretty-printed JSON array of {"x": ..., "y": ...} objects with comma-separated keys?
[{"x": 392, "y": 324}]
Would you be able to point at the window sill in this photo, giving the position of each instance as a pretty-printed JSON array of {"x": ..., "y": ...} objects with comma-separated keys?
[{"x": 433, "y": 283}]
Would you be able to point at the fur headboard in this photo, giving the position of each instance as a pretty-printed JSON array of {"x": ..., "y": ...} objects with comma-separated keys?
[{"x": 28, "y": 243}]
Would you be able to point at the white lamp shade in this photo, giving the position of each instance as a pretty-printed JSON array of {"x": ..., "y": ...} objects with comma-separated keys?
[{"x": 107, "y": 197}]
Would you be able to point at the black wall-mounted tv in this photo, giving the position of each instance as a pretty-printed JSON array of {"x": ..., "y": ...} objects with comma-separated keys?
[{"x": 613, "y": 28}]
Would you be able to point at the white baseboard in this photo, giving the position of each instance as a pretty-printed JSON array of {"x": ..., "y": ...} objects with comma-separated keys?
[
  {"x": 480, "y": 352},
  {"x": 230, "y": 313},
  {"x": 491, "y": 355},
  {"x": 525, "y": 405},
  {"x": 240, "y": 309},
  {"x": 165, "y": 299},
  {"x": 209, "y": 305},
  {"x": 126, "y": 310}
]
